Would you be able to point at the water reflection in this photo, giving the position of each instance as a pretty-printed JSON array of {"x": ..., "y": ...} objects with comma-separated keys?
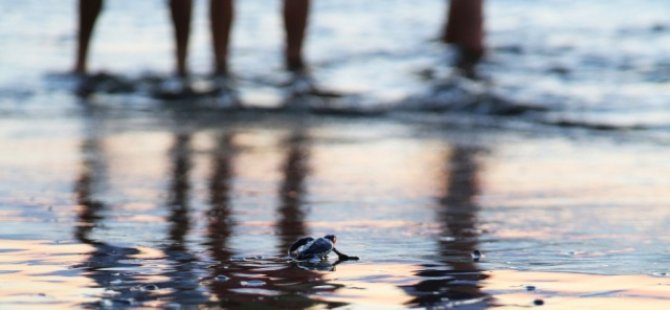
[
  {"x": 182, "y": 276},
  {"x": 108, "y": 265},
  {"x": 298, "y": 279},
  {"x": 291, "y": 222},
  {"x": 178, "y": 194},
  {"x": 219, "y": 218},
  {"x": 240, "y": 282},
  {"x": 455, "y": 279},
  {"x": 188, "y": 276}
]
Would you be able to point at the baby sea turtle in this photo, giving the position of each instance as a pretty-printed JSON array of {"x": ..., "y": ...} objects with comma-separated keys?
[{"x": 310, "y": 249}]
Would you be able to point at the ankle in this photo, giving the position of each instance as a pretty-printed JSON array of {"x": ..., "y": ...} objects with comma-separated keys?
[{"x": 295, "y": 64}]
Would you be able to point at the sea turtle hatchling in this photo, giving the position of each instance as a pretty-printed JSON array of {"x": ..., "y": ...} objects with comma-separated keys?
[{"x": 310, "y": 249}]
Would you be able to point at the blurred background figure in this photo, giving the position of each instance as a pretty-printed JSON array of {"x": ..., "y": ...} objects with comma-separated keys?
[
  {"x": 87, "y": 83},
  {"x": 295, "y": 15},
  {"x": 89, "y": 10},
  {"x": 464, "y": 28}
]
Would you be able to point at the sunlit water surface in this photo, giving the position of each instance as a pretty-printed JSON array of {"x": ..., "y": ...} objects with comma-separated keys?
[
  {"x": 158, "y": 211},
  {"x": 126, "y": 202}
]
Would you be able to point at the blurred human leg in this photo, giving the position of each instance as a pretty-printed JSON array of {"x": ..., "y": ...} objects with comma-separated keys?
[
  {"x": 464, "y": 29},
  {"x": 180, "y": 12},
  {"x": 221, "y": 15},
  {"x": 295, "y": 13},
  {"x": 89, "y": 10}
]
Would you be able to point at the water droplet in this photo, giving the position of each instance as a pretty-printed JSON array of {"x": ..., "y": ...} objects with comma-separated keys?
[
  {"x": 530, "y": 288},
  {"x": 252, "y": 283},
  {"x": 476, "y": 255},
  {"x": 115, "y": 282},
  {"x": 106, "y": 303},
  {"x": 538, "y": 302}
]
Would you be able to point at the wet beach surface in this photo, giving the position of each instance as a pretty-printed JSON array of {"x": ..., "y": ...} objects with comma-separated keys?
[
  {"x": 120, "y": 200},
  {"x": 118, "y": 208}
]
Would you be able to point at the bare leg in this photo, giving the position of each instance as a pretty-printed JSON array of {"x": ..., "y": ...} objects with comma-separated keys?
[
  {"x": 295, "y": 23},
  {"x": 180, "y": 11},
  {"x": 465, "y": 29},
  {"x": 89, "y": 10},
  {"x": 221, "y": 15}
]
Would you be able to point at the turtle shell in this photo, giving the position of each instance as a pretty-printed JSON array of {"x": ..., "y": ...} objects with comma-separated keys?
[{"x": 306, "y": 249}]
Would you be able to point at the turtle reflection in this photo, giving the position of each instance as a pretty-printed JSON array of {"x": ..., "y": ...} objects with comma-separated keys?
[{"x": 454, "y": 280}]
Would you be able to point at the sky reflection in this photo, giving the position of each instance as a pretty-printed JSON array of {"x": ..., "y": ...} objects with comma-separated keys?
[{"x": 209, "y": 220}]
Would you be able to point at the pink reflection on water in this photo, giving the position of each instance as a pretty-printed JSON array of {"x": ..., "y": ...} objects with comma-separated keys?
[
  {"x": 34, "y": 273},
  {"x": 568, "y": 290}
]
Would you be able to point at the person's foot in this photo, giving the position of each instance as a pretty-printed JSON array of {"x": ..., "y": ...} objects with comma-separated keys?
[
  {"x": 84, "y": 85},
  {"x": 295, "y": 63},
  {"x": 467, "y": 61},
  {"x": 174, "y": 87},
  {"x": 102, "y": 82},
  {"x": 302, "y": 83},
  {"x": 225, "y": 91}
]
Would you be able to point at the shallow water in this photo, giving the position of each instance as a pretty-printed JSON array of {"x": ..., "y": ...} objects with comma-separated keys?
[
  {"x": 124, "y": 201},
  {"x": 101, "y": 210}
]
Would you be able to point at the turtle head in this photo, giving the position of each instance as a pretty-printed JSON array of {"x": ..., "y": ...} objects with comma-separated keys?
[{"x": 331, "y": 238}]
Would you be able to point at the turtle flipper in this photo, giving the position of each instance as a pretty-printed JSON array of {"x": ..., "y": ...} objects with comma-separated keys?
[
  {"x": 342, "y": 257},
  {"x": 296, "y": 246}
]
